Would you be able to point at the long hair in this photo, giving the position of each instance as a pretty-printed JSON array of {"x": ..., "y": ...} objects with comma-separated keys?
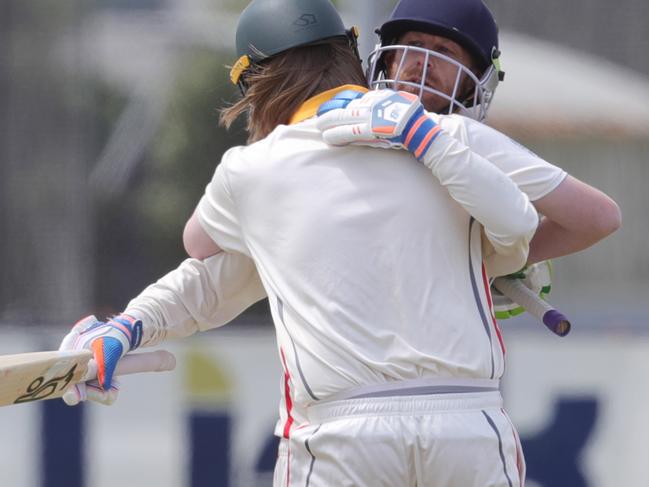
[{"x": 277, "y": 86}]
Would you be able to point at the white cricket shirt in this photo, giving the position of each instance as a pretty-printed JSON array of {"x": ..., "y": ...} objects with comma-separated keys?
[{"x": 373, "y": 271}]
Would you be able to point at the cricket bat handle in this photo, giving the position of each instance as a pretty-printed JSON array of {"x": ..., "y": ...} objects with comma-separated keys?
[
  {"x": 518, "y": 292},
  {"x": 135, "y": 363}
]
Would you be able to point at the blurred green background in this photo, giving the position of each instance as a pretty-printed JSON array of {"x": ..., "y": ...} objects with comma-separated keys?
[{"x": 109, "y": 133}]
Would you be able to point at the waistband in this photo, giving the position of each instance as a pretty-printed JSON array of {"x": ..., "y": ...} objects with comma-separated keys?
[
  {"x": 403, "y": 405},
  {"x": 418, "y": 387}
]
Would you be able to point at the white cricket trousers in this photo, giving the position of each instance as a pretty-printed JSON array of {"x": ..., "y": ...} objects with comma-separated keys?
[{"x": 445, "y": 440}]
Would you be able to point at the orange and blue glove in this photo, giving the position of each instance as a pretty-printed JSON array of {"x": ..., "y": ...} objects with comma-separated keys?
[
  {"x": 108, "y": 341},
  {"x": 381, "y": 118}
]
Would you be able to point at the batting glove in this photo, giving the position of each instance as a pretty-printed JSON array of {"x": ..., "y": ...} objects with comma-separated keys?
[
  {"x": 537, "y": 277},
  {"x": 109, "y": 341},
  {"x": 380, "y": 118}
]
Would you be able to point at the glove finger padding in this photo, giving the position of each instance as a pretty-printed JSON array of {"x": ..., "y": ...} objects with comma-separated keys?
[
  {"x": 343, "y": 126},
  {"x": 358, "y": 134},
  {"x": 91, "y": 391},
  {"x": 353, "y": 114},
  {"x": 95, "y": 392},
  {"x": 537, "y": 277},
  {"x": 109, "y": 342}
]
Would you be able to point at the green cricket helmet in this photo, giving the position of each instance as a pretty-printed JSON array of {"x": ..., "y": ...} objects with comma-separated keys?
[{"x": 269, "y": 27}]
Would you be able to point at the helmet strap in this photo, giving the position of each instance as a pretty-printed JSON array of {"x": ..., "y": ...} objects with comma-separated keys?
[
  {"x": 495, "y": 60},
  {"x": 352, "y": 36}
]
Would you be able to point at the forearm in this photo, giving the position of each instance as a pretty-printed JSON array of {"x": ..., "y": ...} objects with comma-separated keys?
[
  {"x": 196, "y": 296},
  {"x": 484, "y": 191}
]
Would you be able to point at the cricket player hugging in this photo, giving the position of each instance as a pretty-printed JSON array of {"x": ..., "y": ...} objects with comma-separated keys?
[{"x": 376, "y": 263}]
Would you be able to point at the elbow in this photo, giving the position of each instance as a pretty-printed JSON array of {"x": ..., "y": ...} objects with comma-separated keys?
[
  {"x": 608, "y": 220},
  {"x": 613, "y": 220}
]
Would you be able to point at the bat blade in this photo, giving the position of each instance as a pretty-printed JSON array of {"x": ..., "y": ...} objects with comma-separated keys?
[{"x": 36, "y": 376}]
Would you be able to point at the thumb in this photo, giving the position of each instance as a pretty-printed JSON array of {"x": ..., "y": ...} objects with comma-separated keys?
[
  {"x": 103, "y": 396},
  {"x": 107, "y": 351}
]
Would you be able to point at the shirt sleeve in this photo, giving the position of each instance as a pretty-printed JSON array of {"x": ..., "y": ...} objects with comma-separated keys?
[
  {"x": 217, "y": 212},
  {"x": 532, "y": 174},
  {"x": 197, "y": 296},
  {"x": 487, "y": 194}
]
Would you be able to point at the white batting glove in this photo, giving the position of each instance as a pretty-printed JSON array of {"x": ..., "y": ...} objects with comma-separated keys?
[
  {"x": 91, "y": 391},
  {"x": 109, "y": 341},
  {"x": 537, "y": 277},
  {"x": 380, "y": 118}
]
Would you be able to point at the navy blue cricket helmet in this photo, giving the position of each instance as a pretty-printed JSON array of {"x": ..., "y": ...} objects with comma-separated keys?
[{"x": 467, "y": 22}]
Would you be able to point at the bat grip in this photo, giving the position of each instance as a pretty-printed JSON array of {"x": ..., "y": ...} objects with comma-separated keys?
[
  {"x": 158, "y": 361},
  {"x": 518, "y": 292},
  {"x": 135, "y": 363}
]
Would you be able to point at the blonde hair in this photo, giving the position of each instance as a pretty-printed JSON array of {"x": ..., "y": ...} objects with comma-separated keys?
[{"x": 278, "y": 86}]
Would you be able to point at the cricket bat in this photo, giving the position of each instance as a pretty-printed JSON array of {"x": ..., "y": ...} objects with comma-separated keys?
[
  {"x": 36, "y": 376},
  {"x": 518, "y": 292}
]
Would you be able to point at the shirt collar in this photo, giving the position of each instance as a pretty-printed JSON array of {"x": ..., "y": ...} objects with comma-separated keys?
[{"x": 310, "y": 107}]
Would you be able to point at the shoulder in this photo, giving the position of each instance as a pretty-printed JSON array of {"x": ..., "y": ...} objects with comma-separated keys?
[
  {"x": 478, "y": 133},
  {"x": 239, "y": 161},
  {"x": 534, "y": 175},
  {"x": 284, "y": 138},
  {"x": 261, "y": 159}
]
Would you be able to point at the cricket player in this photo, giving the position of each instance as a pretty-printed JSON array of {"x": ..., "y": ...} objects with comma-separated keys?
[
  {"x": 447, "y": 52},
  {"x": 360, "y": 253},
  {"x": 301, "y": 256}
]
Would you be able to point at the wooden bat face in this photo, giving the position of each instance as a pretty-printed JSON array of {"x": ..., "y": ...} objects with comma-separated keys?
[{"x": 36, "y": 376}]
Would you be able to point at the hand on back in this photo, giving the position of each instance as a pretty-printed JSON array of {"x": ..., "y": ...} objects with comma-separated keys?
[{"x": 381, "y": 118}]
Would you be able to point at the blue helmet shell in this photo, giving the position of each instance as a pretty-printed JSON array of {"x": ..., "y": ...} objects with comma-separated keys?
[{"x": 467, "y": 22}]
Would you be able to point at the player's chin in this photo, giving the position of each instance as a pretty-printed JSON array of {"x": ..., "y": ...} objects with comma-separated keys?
[{"x": 435, "y": 103}]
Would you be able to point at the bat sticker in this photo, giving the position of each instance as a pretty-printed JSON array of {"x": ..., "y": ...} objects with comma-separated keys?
[{"x": 40, "y": 388}]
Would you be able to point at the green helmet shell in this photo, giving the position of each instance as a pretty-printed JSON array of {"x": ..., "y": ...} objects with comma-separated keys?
[{"x": 269, "y": 27}]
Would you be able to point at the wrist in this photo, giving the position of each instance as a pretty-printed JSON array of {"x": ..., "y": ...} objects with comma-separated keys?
[
  {"x": 152, "y": 330},
  {"x": 419, "y": 134},
  {"x": 435, "y": 153},
  {"x": 131, "y": 327}
]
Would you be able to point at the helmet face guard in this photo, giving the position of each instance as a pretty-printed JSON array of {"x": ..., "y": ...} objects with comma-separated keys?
[
  {"x": 473, "y": 103},
  {"x": 468, "y": 23}
]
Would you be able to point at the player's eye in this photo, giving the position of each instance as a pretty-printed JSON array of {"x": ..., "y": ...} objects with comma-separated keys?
[{"x": 415, "y": 43}]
